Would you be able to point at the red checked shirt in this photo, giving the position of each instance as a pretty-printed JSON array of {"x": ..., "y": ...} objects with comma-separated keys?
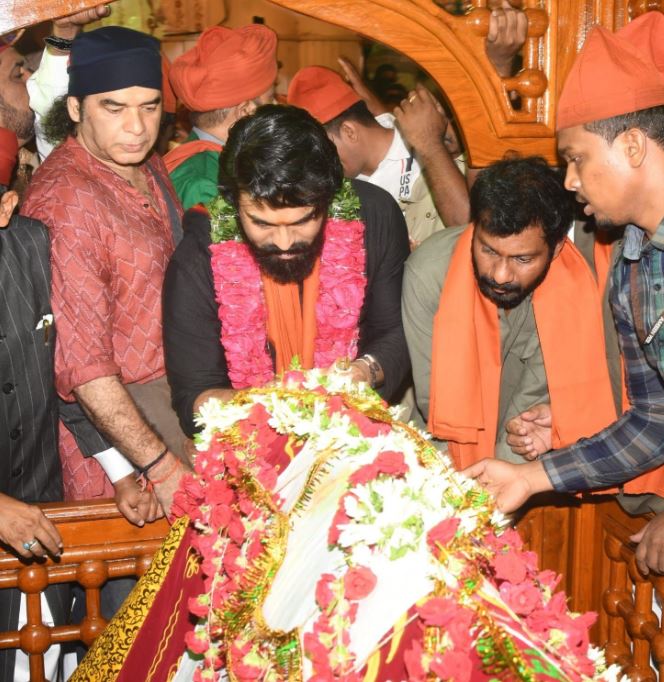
[{"x": 110, "y": 250}]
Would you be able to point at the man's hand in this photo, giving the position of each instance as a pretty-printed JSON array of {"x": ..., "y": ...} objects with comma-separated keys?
[
  {"x": 510, "y": 484},
  {"x": 69, "y": 27},
  {"x": 138, "y": 506},
  {"x": 529, "y": 434},
  {"x": 421, "y": 119},
  {"x": 23, "y": 523},
  {"x": 165, "y": 477},
  {"x": 650, "y": 552},
  {"x": 508, "y": 28},
  {"x": 352, "y": 75}
]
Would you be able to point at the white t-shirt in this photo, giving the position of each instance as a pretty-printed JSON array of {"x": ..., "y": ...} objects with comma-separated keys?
[{"x": 399, "y": 169}]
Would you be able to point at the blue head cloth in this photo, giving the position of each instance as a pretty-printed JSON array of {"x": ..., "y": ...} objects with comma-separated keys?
[{"x": 112, "y": 58}]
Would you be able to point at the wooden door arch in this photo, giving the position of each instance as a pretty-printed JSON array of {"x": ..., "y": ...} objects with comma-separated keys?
[{"x": 451, "y": 50}]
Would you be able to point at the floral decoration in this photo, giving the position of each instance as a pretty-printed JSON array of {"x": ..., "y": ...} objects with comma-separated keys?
[
  {"x": 239, "y": 291},
  {"x": 488, "y": 613}
]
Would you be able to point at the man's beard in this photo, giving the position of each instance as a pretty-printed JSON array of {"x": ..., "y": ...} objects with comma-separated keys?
[
  {"x": 513, "y": 294},
  {"x": 294, "y": 269},
  {"x": 19, "y": 122}
]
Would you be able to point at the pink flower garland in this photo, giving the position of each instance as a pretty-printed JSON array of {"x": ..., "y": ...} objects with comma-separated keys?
[{"x": 243, "y": 314}]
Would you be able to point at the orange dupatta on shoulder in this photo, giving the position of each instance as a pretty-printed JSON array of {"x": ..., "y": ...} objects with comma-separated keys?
[
  {"x": 186, "y": 150},
  {"x": 466, "y": 365}
]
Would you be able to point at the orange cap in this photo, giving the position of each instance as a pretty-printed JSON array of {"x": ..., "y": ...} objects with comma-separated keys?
[
  {"x": 322, "y": 92},
  {"x": 226, "y": 67},
  {"x": 8, "y": 154},
  {"x": 609, "y": 77},
  {"x": 646, "y": 33}
]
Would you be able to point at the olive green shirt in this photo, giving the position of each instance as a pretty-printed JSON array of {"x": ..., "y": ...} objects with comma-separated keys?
[{"x": 523, "y": 380}]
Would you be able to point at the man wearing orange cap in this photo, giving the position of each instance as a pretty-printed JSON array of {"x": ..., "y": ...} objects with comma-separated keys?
[
  {"x": 225, "y": 76},
  {"x": 611, "y": 134},
  {"x": 378, "y": 154}
]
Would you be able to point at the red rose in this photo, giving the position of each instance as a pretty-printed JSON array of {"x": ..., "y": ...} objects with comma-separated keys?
[
  {"x": 236, "y": 529},
  {"x": 509, "y": 567},
  {"x": 220, "y": 516},
  {"x": 412, "y": 659},
  {"x": 219, "y": 492},
  {"x": 391, "y": 463},
  {"x": 196, "y": 642},
  {"x": 453, "y": 665},
  {"x": 340, "y": 518},
  {"x": 359, "y": 582},
  {"x": 324, "y": 595},
  {"x": 199, "y": 605},
  {"x": 441, "y": 534},
  {"x": 522, "y": 599},
  {"x": 364, "y": 475},
  {"x": 369, "y": 428},
  {"x": 437, "y": 611}
]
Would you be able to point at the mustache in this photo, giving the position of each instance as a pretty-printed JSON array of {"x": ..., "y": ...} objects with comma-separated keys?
[
  {"x": 297, "y": 249},
  {"x": 507, "y": 288}
]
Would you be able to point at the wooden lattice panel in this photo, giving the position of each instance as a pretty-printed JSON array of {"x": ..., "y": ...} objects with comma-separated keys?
[{"x": 99, "y": 544}]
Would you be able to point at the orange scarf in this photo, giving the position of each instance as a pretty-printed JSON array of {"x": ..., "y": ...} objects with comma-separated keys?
[
  {"x": 291, "y": 325},
  {"x": 466, "y": 362},
  {"x": 186, "y": 150}
]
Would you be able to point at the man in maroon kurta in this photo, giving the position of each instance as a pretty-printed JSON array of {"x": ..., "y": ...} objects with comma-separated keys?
[{"x": 112, "y": 215}]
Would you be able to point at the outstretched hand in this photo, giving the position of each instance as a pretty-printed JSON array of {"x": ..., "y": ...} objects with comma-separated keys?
[
  {"x": 510, "y": 484},
  {"x": 529, "y": 434},
  {"x": 650, "y": 552},
  {"x": 352, "y": 75},
  {"x": 68, "y": 27},
  {"x": 421, "y": 119}
]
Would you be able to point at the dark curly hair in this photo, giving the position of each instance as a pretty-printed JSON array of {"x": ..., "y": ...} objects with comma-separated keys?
[
  {"x": 512, "y": 195},
  {"x": 282, "y": 156}
]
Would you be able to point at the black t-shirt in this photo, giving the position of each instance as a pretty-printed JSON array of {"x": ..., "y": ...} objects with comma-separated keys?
[{"x": 195, "y": 359}]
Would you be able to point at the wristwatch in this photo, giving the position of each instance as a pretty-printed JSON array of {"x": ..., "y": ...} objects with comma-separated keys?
[{"x": 374, "y": 368}]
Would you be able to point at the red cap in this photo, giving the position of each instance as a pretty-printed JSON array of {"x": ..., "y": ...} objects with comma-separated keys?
[
  {"x": 646, "y": 33},
  {"x": 609, "y": 77},
  {"x": 8, "y": 154},
  {"x": 322, "y": 92},
  {"x": 226, "y": 67}
]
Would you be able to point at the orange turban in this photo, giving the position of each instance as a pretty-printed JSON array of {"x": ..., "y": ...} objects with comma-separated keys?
[
  {"x": 8, "y": 154},
  {"x": 168, "y": 101},
  {"x": 226, "y": 67},
  {"x": 610, "y": 76},
  {"x": 322, "y": 92}
]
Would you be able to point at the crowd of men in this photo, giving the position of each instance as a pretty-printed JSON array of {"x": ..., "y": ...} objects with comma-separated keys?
[{"x": 120, "y": 318}]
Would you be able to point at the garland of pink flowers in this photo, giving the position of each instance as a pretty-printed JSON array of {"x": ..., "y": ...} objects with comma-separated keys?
[{"x": 242, "y": 310}]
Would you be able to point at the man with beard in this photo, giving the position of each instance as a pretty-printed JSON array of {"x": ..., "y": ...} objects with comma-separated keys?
[
  {"x": 507, "y": 313},
  {"x": 611, "y": 134},
  {"x": 289, "y": 262},
  {"x": 15, "y": 114}
]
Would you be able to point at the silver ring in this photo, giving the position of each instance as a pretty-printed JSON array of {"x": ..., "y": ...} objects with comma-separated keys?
[{"x": 27, "y": 546}]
